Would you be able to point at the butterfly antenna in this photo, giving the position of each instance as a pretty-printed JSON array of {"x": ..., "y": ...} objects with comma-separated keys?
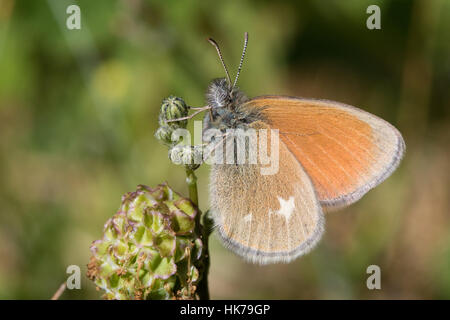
[
  {"x": 214, "y": 43},
  {"x": 242, "y": 58}
]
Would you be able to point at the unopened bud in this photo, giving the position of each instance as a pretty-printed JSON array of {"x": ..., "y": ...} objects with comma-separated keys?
[
  {"x": 164, "y": 134},
  {"x": 173, "y": 108},
  {"x": 191, "y": 156}
]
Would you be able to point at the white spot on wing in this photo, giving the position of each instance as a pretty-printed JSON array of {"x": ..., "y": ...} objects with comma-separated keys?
[
  {"x": 248, "y": 218},
  {"x": 286, "y": 207}
]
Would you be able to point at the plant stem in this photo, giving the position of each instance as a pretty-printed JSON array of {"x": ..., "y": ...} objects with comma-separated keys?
[
  {"x": 204, "y": 230},
  {"x": 207, "y": 227},
  {"x": 59, "y": 292},
  {"x": 191, "y": 180}
]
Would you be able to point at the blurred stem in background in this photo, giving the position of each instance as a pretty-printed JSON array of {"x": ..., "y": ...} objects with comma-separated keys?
[{"x": 417, "y": 74}]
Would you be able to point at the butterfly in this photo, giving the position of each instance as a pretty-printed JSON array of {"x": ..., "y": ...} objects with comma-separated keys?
[{"x": 330, "y": 155}]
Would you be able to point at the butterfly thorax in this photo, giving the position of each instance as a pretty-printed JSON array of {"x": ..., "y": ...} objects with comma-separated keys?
[{"x": 228, "y": 107}]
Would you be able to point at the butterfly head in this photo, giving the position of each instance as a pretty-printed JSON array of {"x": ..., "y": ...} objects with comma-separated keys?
[
  {"x": 221, "y": 95},
  {"x": 221, "y": 92}
]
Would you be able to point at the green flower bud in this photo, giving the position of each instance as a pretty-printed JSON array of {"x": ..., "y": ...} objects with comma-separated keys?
[
  {"x": 173, "y": 108},
  {"x": 164, "y": 135},
  {"x": 191, "y": 156},
  {"x": 149, "y": 249}
]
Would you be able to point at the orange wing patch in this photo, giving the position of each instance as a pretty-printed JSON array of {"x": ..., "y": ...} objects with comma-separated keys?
[{"x": 344, "y": 150}]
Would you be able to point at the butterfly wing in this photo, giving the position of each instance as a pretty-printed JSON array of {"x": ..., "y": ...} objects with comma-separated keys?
[
  {"x": 345, "y": 151},
  {"x": 266, "y": 218}
]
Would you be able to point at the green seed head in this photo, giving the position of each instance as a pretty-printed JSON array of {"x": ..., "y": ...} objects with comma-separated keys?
[{"x": 150, "y": 248}]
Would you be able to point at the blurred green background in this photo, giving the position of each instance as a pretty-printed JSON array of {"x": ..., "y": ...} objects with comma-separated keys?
[{"x": 78, "y": 110}]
